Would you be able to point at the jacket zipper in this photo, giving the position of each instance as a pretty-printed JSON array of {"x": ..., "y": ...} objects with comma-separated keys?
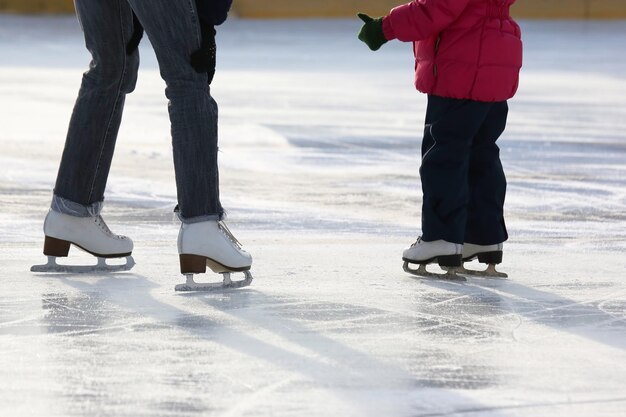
[{"x": 437, "y": 42}]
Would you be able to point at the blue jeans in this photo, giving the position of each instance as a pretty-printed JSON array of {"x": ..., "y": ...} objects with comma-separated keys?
[
  {"x": 462, "y": 177},
  {"x": 174, "y": 31}
]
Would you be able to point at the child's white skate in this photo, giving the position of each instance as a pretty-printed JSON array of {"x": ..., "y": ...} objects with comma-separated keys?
[
  {"x": 211, "y": 244},
  {"x": 90, "y": 234},
  {"x": 486, "y": 254},
  {"x": 446, "y": 254}
]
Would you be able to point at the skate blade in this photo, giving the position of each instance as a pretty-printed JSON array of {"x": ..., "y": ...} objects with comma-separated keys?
[
  {"x": 490, "y": 272},
  {"x": 449, "y": 275},
  {"x": 53, "y": 267},
  {"x": 227, "y": 284}
]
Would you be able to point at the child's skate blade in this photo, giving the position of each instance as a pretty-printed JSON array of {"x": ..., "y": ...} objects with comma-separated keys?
[
  {"x": 227, "y": 284},
  {"x": 53, "y": 267},
  {"x": 449, "y": 275},
  {"x": 490, "y": 272}
]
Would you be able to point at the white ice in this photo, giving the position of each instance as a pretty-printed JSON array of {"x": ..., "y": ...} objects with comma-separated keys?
[{"x": 320, "y": 153}]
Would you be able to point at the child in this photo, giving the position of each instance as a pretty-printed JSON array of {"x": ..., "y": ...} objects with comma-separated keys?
[
  {"x": 468, "y": 54},
  {"x": 183, "y": 37}
]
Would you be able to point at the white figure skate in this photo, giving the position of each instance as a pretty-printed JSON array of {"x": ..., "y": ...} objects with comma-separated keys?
[
  {"x": 486, "y": 254},
  {"x": 446, "y": 254},
  {"x": 211, "y": 244},
  {"x": 90, "y": 234}
]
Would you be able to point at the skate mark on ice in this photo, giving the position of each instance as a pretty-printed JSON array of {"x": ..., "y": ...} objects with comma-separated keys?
[
  {"x": 57, "y": 310},
  {"x": 249, "y": 401},
  {"x": 574, "y": 304},
  {"x": 556, "y": 404},
  {"x": 621, "y": 311},
  {"x": 340, "y": 355},
  {"x": 580, "y": 318},
  {"x": 283, "y": 342},
  {"x": 12, "y": 323},
  {"x": 449, "y": 300},
  {"x": 426, "y": 321},
  {"x": 583, "y": 314},
  {"x": 356, "y": 317}
]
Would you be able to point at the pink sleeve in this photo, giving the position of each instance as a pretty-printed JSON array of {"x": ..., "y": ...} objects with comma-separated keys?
[
  {"x": 387, "y": 29},
  {"x": 421, "y": 19}
]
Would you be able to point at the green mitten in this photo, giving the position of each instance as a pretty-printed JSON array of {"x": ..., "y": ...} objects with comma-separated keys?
[{"x": 372, "y": 32}]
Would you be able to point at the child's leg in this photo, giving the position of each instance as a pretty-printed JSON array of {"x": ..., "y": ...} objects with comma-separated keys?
[
  {"x": 82, "y": 177},
  {"x": 450, "y": 128},
  {"x": 485, "y": 221}
]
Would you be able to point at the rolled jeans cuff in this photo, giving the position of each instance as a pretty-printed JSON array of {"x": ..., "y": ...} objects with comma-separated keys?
[
  {"x": 198, "y": 219},
  {"x": 65, "y": 206}
]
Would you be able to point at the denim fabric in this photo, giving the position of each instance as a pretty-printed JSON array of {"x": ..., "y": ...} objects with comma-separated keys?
[
  {"x": 61, "y": 205},
  {"x": 462, "y": 177},
  {"x": 174, "y": 31}
]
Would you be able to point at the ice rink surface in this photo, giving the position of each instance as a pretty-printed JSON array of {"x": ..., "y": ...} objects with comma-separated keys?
[{"x": 320, "y": 153}]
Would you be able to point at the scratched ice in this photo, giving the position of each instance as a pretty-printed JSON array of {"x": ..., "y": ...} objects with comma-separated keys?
[{"x": 319, "y": 164}]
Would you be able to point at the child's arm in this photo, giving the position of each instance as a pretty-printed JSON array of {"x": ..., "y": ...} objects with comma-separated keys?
[{"x": 421, "y": 19}]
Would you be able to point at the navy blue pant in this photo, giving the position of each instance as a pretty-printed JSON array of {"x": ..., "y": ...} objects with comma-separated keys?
[{"x": 462, "y": 177}]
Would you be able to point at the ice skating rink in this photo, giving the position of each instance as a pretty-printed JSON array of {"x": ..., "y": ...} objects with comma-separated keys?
[{"x": 319, "y": 164}]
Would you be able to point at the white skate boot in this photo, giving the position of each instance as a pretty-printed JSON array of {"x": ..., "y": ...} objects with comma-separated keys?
[
  {"x": 90, "y": 234},
  {"x": 446, "y": 254},
  {"x": 486, "y": 254},
  {"x": 211, "y": 244}
]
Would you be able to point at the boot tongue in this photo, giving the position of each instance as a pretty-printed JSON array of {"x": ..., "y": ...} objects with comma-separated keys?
[
  {"x": 103, "y": 225},
  {"x": 229, "y": 234}
]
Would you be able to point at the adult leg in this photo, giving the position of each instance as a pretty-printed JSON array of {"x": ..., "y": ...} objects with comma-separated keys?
[
  {"x": 174, "y": 31},
  {"x": 450, "y": 128},
  {"x": 86, "y": 161},
  {"x": 487, "y": 182}
]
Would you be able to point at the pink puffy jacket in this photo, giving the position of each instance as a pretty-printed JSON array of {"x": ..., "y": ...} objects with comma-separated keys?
[{"x": 464, "y": 49}]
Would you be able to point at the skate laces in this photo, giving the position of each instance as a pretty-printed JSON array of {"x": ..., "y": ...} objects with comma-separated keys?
[
  {"x": 105, "y": 228},
  {"x": 229, "y": 234},
  {"x": 417, "y": 242}
]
